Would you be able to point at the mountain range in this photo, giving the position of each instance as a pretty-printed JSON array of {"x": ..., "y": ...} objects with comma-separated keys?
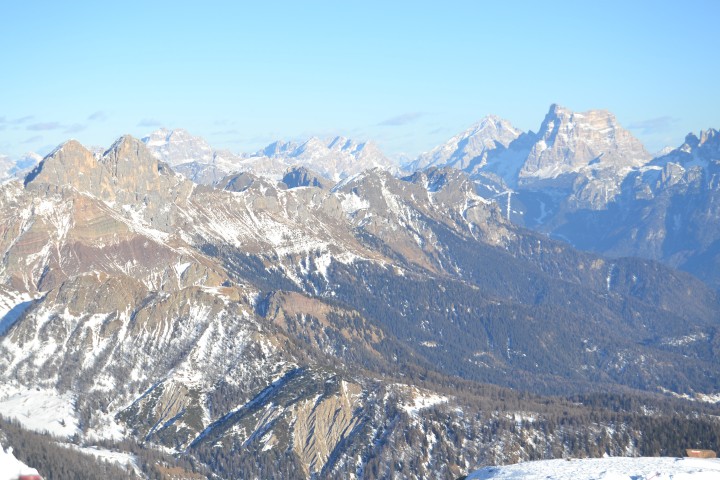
[
  {"x": 582, "y": 178},
  {"x": 295, "y": 313},
  {"x": 335, "y": 159}
]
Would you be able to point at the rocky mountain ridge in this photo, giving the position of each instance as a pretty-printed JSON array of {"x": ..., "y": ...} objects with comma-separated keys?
[
  {"x": 665, "y": 211},
  {"x": 584, "y": 179},
  {"x": 321, "y": 331},
  {"x": 335, "y": 159}
]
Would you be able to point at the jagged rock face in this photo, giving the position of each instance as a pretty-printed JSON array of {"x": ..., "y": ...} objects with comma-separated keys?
[
  {"x": 581, "y": 158},
  {"x": 401, "y": 213},
  {"x": 303, "y": 177},
  {"x": 126, "y": 174},
  {"x": 569, "y": 142},
  {"x": 666, "y": 210}
]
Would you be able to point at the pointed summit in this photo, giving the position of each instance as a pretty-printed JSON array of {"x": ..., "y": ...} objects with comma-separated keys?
[
  {"x": 569, "y": 142},
  {"x": 68, "y": 165},
  {"x": 130, "y": 168},
  {"x": 471, "y": 146},
  {"x": 129, "y": 156},
  {"x": 125, "y": 171},
  {"x": 277, "y": 148},
  {"x": 697, "y": 150},
  {"x": 312, "y": 148},
  {"x": 341, "y": 143}
]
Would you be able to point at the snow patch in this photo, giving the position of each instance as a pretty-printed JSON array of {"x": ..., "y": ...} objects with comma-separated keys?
[
  {"x": 11, "y": 468},
  {"x": 40, "y": 410},
  {"x": 420, "y": 400},
  {"x": 180, "y": 268},
  {"x": 124, "y": 460},
  {"x": 615, "y": 468}
]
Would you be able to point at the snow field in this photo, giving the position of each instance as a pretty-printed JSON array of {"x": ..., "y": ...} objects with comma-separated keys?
[{"x": 609, "y": 468}]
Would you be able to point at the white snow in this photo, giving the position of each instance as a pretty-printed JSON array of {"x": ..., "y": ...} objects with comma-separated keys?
[
  {"x": 421, "y": 400},
  {"x": 709, "y": 398},
  {"x": 40, "y": 410},
  {"x": 352, "y": 203},
  {"x": 124, "y": 460},
  {"x": 180, "y": 268},
  {"x": 609, "y": 468},
  {"x": 11, "y": 467}
]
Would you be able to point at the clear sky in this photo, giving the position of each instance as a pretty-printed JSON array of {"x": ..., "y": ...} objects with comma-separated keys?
[{"x": 408, "y": 75}]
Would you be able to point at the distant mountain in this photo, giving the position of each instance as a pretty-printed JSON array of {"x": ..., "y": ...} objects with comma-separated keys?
[
  {"x": 666, "y": 210},
  {"x": 469, "y": 150},
  {"x": 339, "y": 158},
  {"x": 368, "y": 330},
  {"x": 303, "y": 177},
  {"x": 15, "y": 168},
  {"x": 584, "y": 179},
  {"x": 579, "y": 158},
  {"x": 570, "y": 144},
  {"x": 176, "y": 147},
  {"x": 334, "y": 160},
  {"x": 192, "y": 156}
]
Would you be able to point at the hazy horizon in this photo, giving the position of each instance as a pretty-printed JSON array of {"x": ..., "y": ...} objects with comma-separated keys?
[{"x": 405, "y": 75}]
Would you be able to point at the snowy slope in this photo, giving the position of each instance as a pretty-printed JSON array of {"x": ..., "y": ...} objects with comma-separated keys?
[
  {"x": 40, "y": 410},
  {"x": 11, "y": 467},
  {"x": 615, "y": 468}
]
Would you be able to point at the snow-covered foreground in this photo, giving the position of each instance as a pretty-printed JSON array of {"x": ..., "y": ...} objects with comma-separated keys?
[
  {"x": 11, "y": 467},
  {"x": 611, "y": 468}
]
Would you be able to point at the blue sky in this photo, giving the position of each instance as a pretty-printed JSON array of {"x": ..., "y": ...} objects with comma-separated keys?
[{"x": 408, "y": 75}]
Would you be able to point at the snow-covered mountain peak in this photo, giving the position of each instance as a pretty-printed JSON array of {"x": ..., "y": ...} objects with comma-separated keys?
[
  {"x": 340, "y": 143},
  {"x": 313, "y": 146},
  {"x": 178, "y": 146},
  {"x": 277, "y": 148},
  {"x": 569, "y": 142},
  {"x": 31, "y": 157},
  {"x": 697, "y": 151},
  {"x": 159, "y": 136},
  {"x": 491, "y": 126},
  {"x": 471, "y": 146}
]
